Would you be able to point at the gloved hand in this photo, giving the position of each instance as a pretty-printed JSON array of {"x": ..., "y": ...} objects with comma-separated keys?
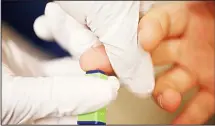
[
  {"x": 28, "y": 99},
  {"x": 77, "y": 26}
]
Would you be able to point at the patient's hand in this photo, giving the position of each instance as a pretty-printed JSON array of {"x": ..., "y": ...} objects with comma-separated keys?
[{"x": 182, "y": 33}]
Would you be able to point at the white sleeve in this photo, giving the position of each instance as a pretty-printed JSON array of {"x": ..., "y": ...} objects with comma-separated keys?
[{"x": 29, "y": 98}]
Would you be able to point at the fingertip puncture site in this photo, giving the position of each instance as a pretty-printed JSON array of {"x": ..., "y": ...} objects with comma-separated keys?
[{"x": 96, "y": 58}]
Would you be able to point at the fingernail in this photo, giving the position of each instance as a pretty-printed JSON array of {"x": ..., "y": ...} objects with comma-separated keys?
[
  {"x": 169, "y": 100},
  {"x": 159, "y": 100}
]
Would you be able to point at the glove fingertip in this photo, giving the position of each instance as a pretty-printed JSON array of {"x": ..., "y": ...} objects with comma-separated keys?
[
  {"x": 115, "y": 82},
  {"x": 41, "y": 29}
]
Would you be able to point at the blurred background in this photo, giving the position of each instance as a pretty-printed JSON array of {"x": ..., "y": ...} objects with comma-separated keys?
[{"x": 18, "y": 17}]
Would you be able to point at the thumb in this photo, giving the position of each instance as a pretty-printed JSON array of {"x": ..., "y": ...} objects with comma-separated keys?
[
  {"x": 83, "y": 94},
  {"x": 93, "y": 93}
]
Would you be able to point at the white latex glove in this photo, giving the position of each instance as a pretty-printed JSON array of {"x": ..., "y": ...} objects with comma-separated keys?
[
  {"x": 28, "y": 99},
  {"x": 114, "y": 23}
]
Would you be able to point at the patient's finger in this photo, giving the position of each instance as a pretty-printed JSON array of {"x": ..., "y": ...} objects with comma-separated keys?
[
  {"x": 96, "y": 59},
  {"x": 171, "y": 85},
  {"x": 199, "y": 110},
  {"x": 166, "y": 53},
  {"x": 160, "y": 22}
]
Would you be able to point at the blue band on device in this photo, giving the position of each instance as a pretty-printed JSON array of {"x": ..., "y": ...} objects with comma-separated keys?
[{"x": 95, "y": 71}]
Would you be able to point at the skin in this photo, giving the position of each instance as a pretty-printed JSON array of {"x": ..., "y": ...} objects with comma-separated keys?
[
  {"x": 181, "y": 33},
  {"x": 95, "y": 58}
]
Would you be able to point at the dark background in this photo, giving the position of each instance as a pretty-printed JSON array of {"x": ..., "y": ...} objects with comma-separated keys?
[{"x": 20, "y": 14}]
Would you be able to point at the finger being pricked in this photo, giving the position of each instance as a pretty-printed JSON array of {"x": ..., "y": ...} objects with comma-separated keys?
[
  {"x": 161, "y": 22},
  {"x": 171, "y": 85}
]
